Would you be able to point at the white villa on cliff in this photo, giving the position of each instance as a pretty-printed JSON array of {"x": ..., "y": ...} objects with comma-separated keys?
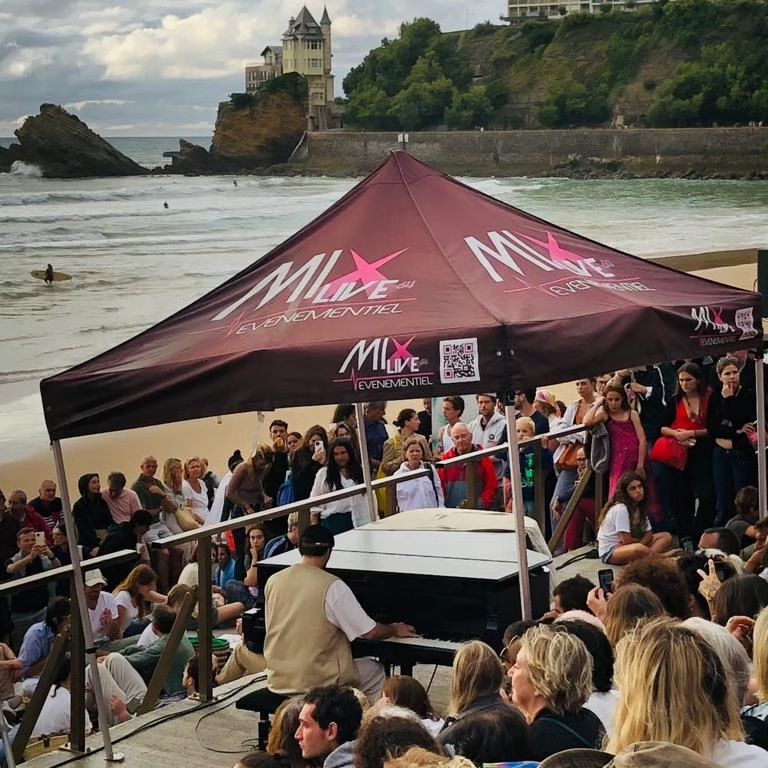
[{"x": 306, "y": 48}]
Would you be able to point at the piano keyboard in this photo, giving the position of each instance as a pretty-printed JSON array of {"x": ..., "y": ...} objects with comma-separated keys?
[
  {"x": 427, "y": 642},
  {"x": 405, "y": 652}
]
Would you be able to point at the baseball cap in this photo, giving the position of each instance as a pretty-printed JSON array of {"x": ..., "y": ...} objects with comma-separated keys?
[
  {"x": 94, "y": 577},
  {"x": 577, "y": 758},
  {"x": 317, "y": 536}
]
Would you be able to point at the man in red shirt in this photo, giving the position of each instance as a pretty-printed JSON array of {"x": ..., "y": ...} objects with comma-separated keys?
[
  {"x": 25, "y": 516},
  {"x": 454, "y": 478}
]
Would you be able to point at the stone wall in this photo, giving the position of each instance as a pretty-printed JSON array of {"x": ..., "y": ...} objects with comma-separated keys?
[{"x": 716, "y": 152}]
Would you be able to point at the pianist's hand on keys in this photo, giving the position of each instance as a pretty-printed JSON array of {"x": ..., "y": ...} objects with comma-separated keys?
[{"x": 404, "y": 630}]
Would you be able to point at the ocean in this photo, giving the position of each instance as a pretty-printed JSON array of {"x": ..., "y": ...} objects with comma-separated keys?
[{"x": 135, "y": 262}]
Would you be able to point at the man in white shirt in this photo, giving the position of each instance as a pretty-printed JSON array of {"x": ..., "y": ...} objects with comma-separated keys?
[
  {"x": 311, "y": 618},
  {"x": 102, "y": 608},
  {"x": 489, "y": 429}
]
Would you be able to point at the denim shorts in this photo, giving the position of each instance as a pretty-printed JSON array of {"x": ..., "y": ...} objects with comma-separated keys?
[{"x": 606, "y": 558}]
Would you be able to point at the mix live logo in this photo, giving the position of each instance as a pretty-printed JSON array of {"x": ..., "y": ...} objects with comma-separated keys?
[
  {"x": 711, "y": 326},
  {"x": 384, "y": 363}
]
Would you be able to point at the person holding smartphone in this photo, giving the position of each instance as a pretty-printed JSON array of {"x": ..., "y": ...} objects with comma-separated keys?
[
  {"x": 307, "y": 461},
  {"x": 28, "y": 607}
]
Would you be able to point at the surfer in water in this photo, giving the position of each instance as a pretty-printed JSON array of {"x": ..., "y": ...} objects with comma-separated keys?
[
  {"x": 48, "y": 275},
  {"x": 234, "y": 181},
  {"x": 165, "y": 205}
]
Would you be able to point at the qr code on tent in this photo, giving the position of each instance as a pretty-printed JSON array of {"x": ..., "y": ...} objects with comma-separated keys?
[{"x": 459, "y": 361}]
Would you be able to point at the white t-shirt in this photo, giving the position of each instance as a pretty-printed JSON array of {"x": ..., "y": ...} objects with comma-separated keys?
[
  {"x": 54, "y": 716},
  {"x": 737, "y": 754},
  {"x": 344, "y": 611},
  {"x": 147, "y": 637},
  {"x": 123, "y": 600},
  {"x": 604, "y": 705},
  {"x": 198, "y": 501},
  {"x": 189, "y": 575},
  {"x": 106, "y": 602},
  {"x": 616, "y": 522}
]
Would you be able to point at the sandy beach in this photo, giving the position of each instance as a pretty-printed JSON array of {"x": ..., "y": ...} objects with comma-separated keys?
[{"x": 217, "y": 438}]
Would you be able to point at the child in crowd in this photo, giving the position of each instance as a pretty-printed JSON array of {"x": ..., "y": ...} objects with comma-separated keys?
[{"x": 624, "y": 532}]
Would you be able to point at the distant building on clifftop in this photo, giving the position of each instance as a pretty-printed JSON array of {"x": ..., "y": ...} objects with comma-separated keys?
[
  {"x": 520, "y": 10},
  {"x": 306, "y": 49}
]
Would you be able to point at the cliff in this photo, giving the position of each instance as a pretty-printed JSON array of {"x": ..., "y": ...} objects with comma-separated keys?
[{"x": 63, "y": 146}]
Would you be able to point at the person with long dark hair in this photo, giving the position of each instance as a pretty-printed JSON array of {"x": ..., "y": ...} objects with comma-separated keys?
[
  {"x": 91, "y": 513},
  {"x": 624, "y": 532},
  {"x": 343, "y": 471},
  {"x": 685, "y": 421},
  {"x": 307, "y": 461}
]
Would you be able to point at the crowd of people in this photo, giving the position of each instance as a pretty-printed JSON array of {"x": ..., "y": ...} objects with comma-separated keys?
[{"x": 675, "y": 652}]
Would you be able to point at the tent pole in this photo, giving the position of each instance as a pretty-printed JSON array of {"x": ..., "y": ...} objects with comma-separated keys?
[
  {"x": 365, "y": 461},
  {"x": 77, "y": 578},
  {"x": 513, "y": 454},
  {"x": 761, "y": 463}
]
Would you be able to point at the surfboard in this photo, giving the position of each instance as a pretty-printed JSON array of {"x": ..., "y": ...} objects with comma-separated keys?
[{"x": 58, "y": 277}]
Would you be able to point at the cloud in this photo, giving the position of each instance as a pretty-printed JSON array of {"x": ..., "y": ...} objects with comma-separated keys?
[{"x": 146, "y": 66}]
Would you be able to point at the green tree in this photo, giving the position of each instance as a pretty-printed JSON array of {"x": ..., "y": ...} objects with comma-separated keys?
[
  {"x": 369, "y": 108},
  {"x": 469, "y": 110},
  {"x": 422, "y": 105}
]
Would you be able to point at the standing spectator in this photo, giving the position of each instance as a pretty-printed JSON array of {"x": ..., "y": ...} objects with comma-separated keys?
[
  {"x": 122, "y": 502},
  {"x": 627, "y": 438},
  {"x": 28, "y": 606},
  {"x": 692, "y": 493},
  {"x": 91, "y": 513},
  {"x": 585, "y": 508},
  {"x": 731, "y": 421},
  {"x": 211, "y": 480},
  {"x": 423, "y": 492},
  {"x": 551, "y": 683},
  {"x": 524, "y": 400},
  {"x": 343, "y": 471},
  {"x": 47, "y": 504},
  {"x": 425, "y": 419},
  {"x": 453, "y": 408},
  {"x": 278, "y": 469},
  {"x": 307, "y": 460},
  {"x": 344, "y": 413},
  {"x": 454, "y": 478},
  {"x": 375, "y": 431},
  {"x": 624, "y": 532},
  {"x": 526, "y": 430},
  {"x": 222, "y": 506},
  {"x": 489, "y": 429},
  {"x": 194, "y": 489}
]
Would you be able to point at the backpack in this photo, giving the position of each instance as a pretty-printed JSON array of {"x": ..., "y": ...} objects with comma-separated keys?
[
  {"x": 286, "y": 493},
  {"x": 600, "y": 452}
]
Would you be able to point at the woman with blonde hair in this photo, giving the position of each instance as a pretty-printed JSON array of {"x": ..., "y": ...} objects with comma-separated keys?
[
  {"x": 194, "y": 488},
  {"x": 551, "y": 682},
  {"x": 760, "y": 658},
  {"x": 674, "y": 688},
  {"x": 475, "y": 684},
  {"x": 423, "y": 492},
  {"x": 627, "y": 606},
  {"x": 132, "y": 596}
]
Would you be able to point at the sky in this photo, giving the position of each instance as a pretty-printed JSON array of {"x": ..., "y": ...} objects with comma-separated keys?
[{"x": 160, "y": 67}]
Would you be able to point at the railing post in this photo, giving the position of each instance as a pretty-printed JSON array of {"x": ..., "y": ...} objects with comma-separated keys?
[
  {"x": 32, "y": 712},
  {"x": 539, "y": 496},
  {"x": 470, "y": 474},
  {"x": 599, "y": 493},
  {"x": 565, "y": 518},
  {"x": 77, "y": 676},
  {"x": 167, "y": 657},
  {"x": 204, "y": 628}
]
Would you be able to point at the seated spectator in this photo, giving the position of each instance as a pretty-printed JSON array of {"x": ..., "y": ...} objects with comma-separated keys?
[
  {"x": 26, "y": 517},
  {"x": 722, "y": 539},
  {"x": 663, "y": 578},
  {"x": 692, "y": 566},
  {"x": 241, "y": 662},
  {"x": 224, "y": 570},
  {"x": 747, "y": 514},
  {"x": 626, "y": 607},
  {"x": 11, "y": 670},
  {"x": 624, "y": 533},
  {"x": 328, "y": 726},
  {"x": 760, "y": 530},
  {"x": 91, "y": 513},
  {"x": 454, "y": 477},
  {"x": 194, "y": 487},
  {"x": 47, "y": 504},
  {"x": 122, "y": 502},
  {"x": 382, "y": 738},
  {"x": 423, "y": 492},
  {"x": 475, "y": 684},
  {"x": 492, "y": 736},
  {"x": 102, "y": 608},
  {"x": 551, "y": 683},
  {"x": 127, "y": 535},
  {"x": 674, "y": 689},
  {"x": 247, "y": 590},
  {"x": 744, "y": 595},
  {"x": 62, "y": 556},
  {"x": 28, "y": 606},
  {"x": 132, "y": 596},
  {"x": 257, "y": 759},
  {"x": 282, "y": 744},
  {"x": 409, "y": 693},
  {"x": 191, "y": 678},
  {"x": 286, "y": 541},
  {"x": 571, "y": 594},
  {"x": 604, "y": 696},
  {"x": 38, "y": 641},
  {"x": 54, "y": 717},
  {"x": 145, "y": 660},
  {"x": 760, "y": 656}
]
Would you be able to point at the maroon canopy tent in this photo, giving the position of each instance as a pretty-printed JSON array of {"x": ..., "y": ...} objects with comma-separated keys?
[{"x": 412, "y": 284}]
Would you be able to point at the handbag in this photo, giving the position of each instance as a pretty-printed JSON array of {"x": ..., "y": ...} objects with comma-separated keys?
[
  {"x": 667, "y": 450},
  {"x": 185, "y": 519},
  {"x": 567, "y": 458}
]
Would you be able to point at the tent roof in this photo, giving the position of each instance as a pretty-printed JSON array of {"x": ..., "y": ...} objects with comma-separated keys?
[{"x": 412, "y": 284}]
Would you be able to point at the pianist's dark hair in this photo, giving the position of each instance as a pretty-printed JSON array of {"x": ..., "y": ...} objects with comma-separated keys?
[
  {"x": 334, "y": 704},
  {"x": 333, "y": 478},
  {"x": 408, "y": 692}
]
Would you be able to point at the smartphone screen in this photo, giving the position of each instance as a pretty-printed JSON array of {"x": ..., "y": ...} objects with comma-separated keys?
[
  {"x": 605, "y": 579},
  {"x": 40, "y": 538}
]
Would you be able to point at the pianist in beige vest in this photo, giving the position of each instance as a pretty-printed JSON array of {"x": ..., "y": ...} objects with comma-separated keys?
[{"x": 311, "y": 618}]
